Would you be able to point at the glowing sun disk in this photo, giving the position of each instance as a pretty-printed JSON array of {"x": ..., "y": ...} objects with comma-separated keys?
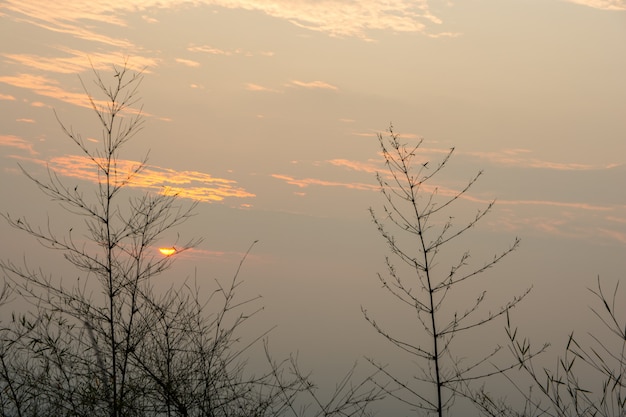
[{"x": 167, "y": 251}]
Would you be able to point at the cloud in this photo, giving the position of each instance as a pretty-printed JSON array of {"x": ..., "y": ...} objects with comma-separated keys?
[
  {"x": 370, "y": 166},
  {"x": 562, "y": 204},
  {"x": 69, "y": 17},
  {"x": 149, "y": 19},
  {"x": 50, "y": 88},
  {"x": 305, "y": 182},
  {"x": 17, "y": 142},
  {"x": 345, "y": 18},
  {"x": 602, "y": 4},
  {"x": 6, "y": 97},
  {"x": 24, "y": 120},
  {"x": 46, "y": 87},
  {"x": 521, "y": 158},
  {"x": 207, "y": 49},
  {"x": 76, "y": 62},
  {"x": 187, "y": 62},
  {"x": 256, "y": 87},
  {"x": 613, "y": 234},
  {"x": 194, "y": 185},
  {"x": 313, "y": 84}
]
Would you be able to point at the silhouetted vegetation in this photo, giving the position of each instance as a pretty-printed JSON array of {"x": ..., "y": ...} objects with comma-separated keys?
[
  {"x": 107, "y": 343},
  {"x": 418, "y": 226}
]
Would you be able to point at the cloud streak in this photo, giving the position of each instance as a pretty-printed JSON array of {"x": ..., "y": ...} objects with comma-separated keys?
[
  {"x": 305, "y": 182},
  {"x": 12, "y": 141},
  {"x": 188, "y": 62},
  {"x": 77, "y": 61},
  {"x": 313, "y": 85},
  {"x": 618, "y": 5},
  {"x": 194, "y": 185},
  {"x": 519, "y": 158}
]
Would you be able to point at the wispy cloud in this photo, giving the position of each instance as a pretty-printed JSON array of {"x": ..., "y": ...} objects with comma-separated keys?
[
  {"x": 207, "y": 49},
  {"x": 370, "y": 167},
  {"x": 149, "y": 19},
  {"x": 345, "y": 18},
  {"x": 305, "y": 182},
  {"x": 313, "y": 85},
  {"x": 602, "y": 4},
  {"x": 76, "y": 62},
  {"x": 6, "y": 97},
  {"x": 188, "y": 62},
  {"x": 523, "y": 158},
  {"x": 562, "y": 204},
  {"x": 46, "y": 87},
  {"x": 194, "y": 185},
  {"x": 257, "y": 87},
  {"x": 66, "y": 17},
  {"x": 614, "y": 234},
  {"x": 17, "y": 142},
  {"x": 335, "y": 17}
]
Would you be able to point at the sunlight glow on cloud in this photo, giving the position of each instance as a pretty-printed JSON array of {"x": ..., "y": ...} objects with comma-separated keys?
[
  {"x": 602, "y": 4},
  {"x": 314, "y": 84},
  {"x": 194, "y": 185},
  {"x": 6, "y": 97}
]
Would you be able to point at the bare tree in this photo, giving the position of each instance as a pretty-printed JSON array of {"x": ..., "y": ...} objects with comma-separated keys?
[
  {"x": 90, "y": 340},
  {"x": 417, "y": 225}
]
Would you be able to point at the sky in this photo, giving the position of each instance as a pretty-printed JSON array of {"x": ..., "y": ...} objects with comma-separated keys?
[{"x": 266, "y": 114}]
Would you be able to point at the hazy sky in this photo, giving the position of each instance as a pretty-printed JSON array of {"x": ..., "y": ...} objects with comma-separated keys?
[{"x": 267, "y": 113}]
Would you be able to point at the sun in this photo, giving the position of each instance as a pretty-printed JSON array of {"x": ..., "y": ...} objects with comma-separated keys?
[{"x": 167, "y": 251}]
